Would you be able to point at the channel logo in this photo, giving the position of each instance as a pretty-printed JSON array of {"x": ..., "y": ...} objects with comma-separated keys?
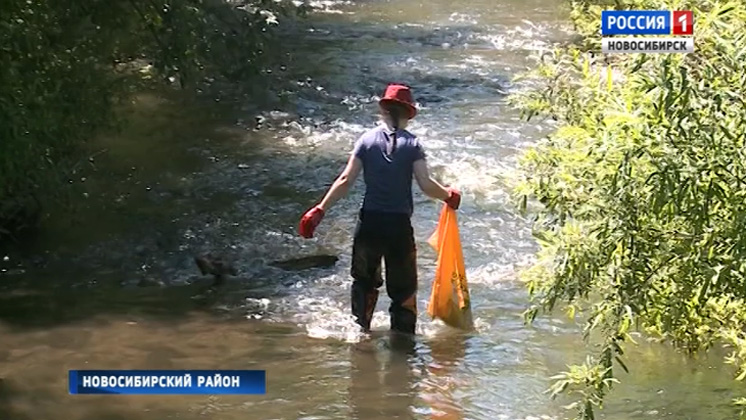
[
  {"x": 676, "y": 26},
  {"x": 647, "y": 22}
]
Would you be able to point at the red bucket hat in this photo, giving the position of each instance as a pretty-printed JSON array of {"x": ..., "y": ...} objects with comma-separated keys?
[{"x": 402, "y": 95}]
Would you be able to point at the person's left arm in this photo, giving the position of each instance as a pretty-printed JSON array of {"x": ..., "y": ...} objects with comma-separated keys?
[{"x": 428, "y": 185}]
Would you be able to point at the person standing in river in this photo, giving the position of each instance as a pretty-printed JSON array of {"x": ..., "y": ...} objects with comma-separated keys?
[{"x": 389, "y": 156}]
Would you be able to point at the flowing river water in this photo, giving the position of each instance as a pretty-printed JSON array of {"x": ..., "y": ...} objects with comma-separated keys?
[{"x": 187, "y": 178}]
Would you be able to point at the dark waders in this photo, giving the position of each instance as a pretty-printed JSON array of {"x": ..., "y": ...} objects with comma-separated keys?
[{"x": 388, "y": 237}]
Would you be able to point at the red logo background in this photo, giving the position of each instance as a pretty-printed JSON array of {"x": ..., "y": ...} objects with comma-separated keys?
[{"x": 685, "y": 28}]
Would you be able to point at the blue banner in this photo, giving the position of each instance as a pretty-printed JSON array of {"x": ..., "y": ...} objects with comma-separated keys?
[
  {"x": 173, "y": 382},
  {"x": 636, "y": 22}
]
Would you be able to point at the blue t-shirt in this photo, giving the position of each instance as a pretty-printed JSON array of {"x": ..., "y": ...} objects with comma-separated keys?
[{"x": 388, "y": 178}]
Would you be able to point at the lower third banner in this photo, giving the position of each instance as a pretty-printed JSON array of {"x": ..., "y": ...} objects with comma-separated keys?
[{"x": 174, "y": 382}]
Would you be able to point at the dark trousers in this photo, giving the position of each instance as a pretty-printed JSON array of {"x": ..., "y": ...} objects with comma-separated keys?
[{"x": 388, "y": 237}]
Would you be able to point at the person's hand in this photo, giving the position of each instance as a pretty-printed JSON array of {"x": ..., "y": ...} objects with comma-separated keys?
[
  {"x": 310, "y": 221},
  {"x": 454, "y": 198}
]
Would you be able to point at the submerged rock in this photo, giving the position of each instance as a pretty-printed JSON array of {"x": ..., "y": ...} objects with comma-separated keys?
[
  {"x": 305, "y": 263},
  {"x": 216, "y": 266},
  {"x": 150, "y": 282}
]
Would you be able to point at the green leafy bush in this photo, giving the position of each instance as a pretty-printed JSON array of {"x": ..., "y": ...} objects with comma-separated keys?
[{"x": 643, "y": 188}]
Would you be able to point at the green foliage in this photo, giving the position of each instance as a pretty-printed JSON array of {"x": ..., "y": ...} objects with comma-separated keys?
[
  {"x": 643, "y": 189},
  {"x": 64, "y": 65}
]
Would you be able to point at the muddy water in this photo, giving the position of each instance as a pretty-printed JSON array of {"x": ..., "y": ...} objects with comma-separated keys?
[{"x": 227, "y": 177}]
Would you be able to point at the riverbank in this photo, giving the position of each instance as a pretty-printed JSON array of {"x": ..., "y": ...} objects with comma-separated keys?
[{"x": 642, "y": 214}]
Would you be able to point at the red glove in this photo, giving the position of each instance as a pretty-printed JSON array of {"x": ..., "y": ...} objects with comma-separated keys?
[
  {"x": 454, "y": 198},
  {"x": 309, "y": 221}
]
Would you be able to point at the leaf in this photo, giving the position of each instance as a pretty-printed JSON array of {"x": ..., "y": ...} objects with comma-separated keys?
[
  {"x": 726, "y": 10},
  {"x": 571, "y": 311},
  {"x": 621, "y": 363},
  {"x": 571, "y": 406},
  {"x": 609, "y": 79}
]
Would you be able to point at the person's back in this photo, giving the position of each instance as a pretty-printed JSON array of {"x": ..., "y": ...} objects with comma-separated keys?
[
  {"x": 384, "y": 231},
  {"x": 388, "y": 169}
]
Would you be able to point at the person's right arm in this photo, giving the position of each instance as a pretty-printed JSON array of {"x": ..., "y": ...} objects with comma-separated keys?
[
  {"x": 342, "y": 184},
  {"x": 427, "y": 184}
]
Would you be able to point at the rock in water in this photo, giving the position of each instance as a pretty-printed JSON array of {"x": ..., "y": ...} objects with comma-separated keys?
[
  {"x": 304, "y": 263},
  {"x": 216, "y": 266},
  {"x": 148, "y": 281}
]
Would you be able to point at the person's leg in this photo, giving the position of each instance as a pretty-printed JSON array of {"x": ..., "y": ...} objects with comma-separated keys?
[
  {"x": 366, "y": 274},
  {"x": 401, "y": 278}
]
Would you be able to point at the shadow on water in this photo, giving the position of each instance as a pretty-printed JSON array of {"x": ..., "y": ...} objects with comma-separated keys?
[
  {"x": 48, "y": 304},
  {"x": 48, "y": 301},
  {"x": 7, "y": 394},
  {"x": 165, "y": 175}
]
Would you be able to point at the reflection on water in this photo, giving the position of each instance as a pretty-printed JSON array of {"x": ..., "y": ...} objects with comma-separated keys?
[
  {"x": 382, "y": 381},
  {"x": 438, "y": 388},
  {"x": 183, "y": 181},
  {"x": 396, "y": 376}
]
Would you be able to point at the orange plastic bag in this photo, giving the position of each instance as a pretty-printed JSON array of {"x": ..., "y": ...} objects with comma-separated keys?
[{"x": 449, "y": 300}]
